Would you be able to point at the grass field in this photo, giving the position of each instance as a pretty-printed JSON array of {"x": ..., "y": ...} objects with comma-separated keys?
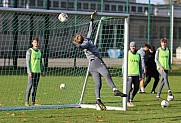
[{"x": 147, "y": 109}]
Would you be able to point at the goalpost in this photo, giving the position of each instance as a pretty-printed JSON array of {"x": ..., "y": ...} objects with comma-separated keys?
[{"x": 64, "y": 63}]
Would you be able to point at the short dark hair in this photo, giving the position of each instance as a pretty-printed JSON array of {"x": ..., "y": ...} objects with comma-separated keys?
[
  {"x": 35, "y": 39},
  {"x": 152, "y": 48},
  {"x": 163, "y": 40},
  {"x": 147, "y": 45}
]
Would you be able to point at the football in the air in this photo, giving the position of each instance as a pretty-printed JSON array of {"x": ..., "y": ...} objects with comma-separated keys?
[
  {"x": 164, "y": 103},
  {"x": 62, "y": 86},
  {"x": 63, "y": 17},
  {"x": 169, "y": 98}
]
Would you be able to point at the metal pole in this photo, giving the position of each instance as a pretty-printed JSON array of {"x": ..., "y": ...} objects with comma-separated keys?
[
  {"x": 171, "y": 27},
  {"x": 15, "y": 37},
  {"x": 101, "y": 28},
  {"x": 125, "y": 74},
  {"x": 102, "y": 5},
  {"x": 148, "y": 38},
  {"x": 48, "y": 4},
  {"x": 127, "y": 6},
  {"x": 46, "y": 38},
  {"x": 75, "y": 31},
  {"x": 15, "y": 3}
]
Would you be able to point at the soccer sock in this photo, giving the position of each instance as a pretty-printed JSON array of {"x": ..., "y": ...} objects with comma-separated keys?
[
  {"x": 142, "y": 89},
  {"x": 114, "y": 89}
]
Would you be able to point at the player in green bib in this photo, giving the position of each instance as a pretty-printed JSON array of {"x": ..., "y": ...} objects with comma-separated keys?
[
  {"x": 163, "y": 62},
  {"x": 34, "y": 69},
  {"x": 134, "y": 73}
]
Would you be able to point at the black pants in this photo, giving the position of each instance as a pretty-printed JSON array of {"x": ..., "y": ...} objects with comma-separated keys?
[
  {"x": 32, "y": 84},
  {"x": 133, "y": 87},
  {"x": 148, "y": 79}
]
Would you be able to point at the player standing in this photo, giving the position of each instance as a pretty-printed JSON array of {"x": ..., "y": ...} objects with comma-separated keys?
[
  {"x": 34, "y": 69},
  {"x": 97, "y": 65},
  {"x": 163, "y": 62},
  {"x": 134, "y": 73}
]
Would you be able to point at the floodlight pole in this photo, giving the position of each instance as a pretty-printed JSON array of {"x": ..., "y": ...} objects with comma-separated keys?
[
  {"x": 148, "y": 38},
  {"x": 172, "y": 2},
  {"x": 127, "y": 6}
]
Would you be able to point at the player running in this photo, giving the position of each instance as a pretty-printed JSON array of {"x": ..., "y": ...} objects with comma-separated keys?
[{"x": 97, "y": 65}]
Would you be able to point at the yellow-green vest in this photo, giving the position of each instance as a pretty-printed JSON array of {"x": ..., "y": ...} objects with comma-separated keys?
[
  {"x": 163, "y": 58},
  {"x": 133, "y": 63},
  {"x": 35, "y": 64}
]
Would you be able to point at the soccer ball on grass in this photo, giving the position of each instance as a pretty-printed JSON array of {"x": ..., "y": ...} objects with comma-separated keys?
[
  {"x": 164, "y": 103},
  {"x": 63, "y": 17},
  {"x": 62, "y": 86}
]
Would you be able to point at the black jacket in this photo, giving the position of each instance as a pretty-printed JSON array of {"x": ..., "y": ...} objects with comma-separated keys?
[{"x": 150, "y": 64}]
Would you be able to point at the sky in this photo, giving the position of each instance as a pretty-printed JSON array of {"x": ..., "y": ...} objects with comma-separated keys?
[{"x": 151, "y": 1}]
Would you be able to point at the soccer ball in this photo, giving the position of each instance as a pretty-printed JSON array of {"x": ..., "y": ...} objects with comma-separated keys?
[
  {"x": 169, "y": 98},
  {"x": 164, "y": 103},
  {"x": 62, "y": 86},
  {"x": 63, "y": 17}
]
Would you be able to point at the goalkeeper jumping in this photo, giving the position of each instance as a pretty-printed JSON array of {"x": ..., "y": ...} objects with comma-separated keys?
[{"x": 97, "y": 65}]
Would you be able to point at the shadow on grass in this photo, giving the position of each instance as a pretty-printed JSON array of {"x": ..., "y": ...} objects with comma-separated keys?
[{"x": 176, "y": 119}]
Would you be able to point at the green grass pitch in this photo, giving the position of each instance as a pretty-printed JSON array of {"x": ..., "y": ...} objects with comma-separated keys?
[{"x": 147, "y": 108}]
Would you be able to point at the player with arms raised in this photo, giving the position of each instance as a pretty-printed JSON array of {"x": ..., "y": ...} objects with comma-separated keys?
[{"x": 97, "y": 65}]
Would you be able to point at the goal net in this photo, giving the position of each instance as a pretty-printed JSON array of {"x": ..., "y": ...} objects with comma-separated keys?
[{"x": 64, "y": 64}]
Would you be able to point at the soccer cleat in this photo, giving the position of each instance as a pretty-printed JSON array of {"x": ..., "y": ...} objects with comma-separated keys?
[
  {"x": 170, "y": 98},
  {"x": 169, "y": 93},
  {"x": 130, "y": 104},
  {"x": 118, "y": 93},
  {"x": 100, "y": 104},
  {"x": 153, "y": 92},
  {"x": 142, "y": 92},
  {"x": 158, "y": 98},
  {"x": 34, "y": 104},
  {"x": 27, "y": 104}
]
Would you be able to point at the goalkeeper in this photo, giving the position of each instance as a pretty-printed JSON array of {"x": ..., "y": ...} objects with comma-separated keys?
[
  {"x": 97, "y": 65},
  {"x": 34, "y": 68}
]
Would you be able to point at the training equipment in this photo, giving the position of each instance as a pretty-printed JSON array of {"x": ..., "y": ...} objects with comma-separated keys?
[
  {"x": 170, "y": 98},
  {"x": 164, "y": 103},
  {"x": 63, "y": 17},
  {"x": 62, "y": 86},
  {"x": 63, "y": 62}
]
